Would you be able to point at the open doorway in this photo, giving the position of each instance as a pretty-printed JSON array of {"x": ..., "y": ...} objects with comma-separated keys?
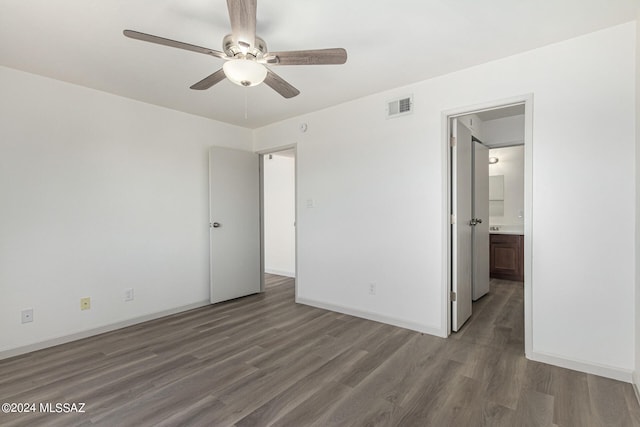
[
  {"x": 493, "y": 224},
  {"x": 279, "y": 215}
]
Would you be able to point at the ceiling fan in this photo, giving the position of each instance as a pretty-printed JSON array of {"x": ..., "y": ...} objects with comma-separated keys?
[{"x": 246, "y": 54}]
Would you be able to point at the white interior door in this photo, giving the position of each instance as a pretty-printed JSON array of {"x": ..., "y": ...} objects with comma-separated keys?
[
  {"x": 481, "y": 214},
  {"x": 462, "y": 273},
  {"x": 234, "y": 206}
]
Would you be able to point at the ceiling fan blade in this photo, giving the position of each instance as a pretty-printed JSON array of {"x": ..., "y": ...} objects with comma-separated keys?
[
  {"x": 172, "y": 43},
  {"x": 280, "y": 85},
  {"x": 242, "y": 14},
  {"x": 210, "y": 80},
  {"x": 310, "y": 57}
]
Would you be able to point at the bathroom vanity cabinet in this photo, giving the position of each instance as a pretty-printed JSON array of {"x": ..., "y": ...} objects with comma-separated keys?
[{"x": 507, "y": 256}]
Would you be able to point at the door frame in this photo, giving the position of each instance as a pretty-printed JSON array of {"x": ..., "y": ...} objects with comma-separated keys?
[
  {"x": 446, "y": 116},
  {"x": 262, "y": 154}
]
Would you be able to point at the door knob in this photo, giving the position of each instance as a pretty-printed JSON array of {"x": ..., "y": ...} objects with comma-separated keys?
[
  {"x": 216, "y": 225},
  {"x": 475, "y": 221}
]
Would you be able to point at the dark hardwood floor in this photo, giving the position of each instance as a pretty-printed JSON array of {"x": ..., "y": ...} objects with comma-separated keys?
[{"x": 263, "y": 360}]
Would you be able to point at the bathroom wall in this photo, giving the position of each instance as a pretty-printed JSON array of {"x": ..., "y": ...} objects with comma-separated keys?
[
  {"x": 474, "y": 124},
  {"x": 508, "y": 131},
  {"x": 511, "y": 166}
]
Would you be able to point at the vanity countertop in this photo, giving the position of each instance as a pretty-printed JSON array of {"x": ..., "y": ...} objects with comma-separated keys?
[{"x": 507, "y": 229}]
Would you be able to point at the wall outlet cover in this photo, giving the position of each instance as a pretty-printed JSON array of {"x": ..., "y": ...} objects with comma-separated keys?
[{"x": 27, "y": 315}]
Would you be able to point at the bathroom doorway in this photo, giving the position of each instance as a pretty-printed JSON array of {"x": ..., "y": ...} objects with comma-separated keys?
[{"x": 500, "y": 132}]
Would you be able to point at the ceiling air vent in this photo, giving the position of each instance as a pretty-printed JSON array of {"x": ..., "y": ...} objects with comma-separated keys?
[{"x": 400, "y": 107}]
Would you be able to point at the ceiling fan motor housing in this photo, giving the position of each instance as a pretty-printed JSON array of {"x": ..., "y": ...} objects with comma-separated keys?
[{"x": 233, "y": 50}]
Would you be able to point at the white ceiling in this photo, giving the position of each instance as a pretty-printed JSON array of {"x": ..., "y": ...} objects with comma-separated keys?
[{"x": 389, "y": 43}]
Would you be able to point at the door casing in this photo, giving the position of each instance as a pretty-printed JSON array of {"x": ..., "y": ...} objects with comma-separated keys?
[
  {"x": 262, "y": 154},
  {"x": 260, "y": 172},
  {"x": 446, "y": 116}
]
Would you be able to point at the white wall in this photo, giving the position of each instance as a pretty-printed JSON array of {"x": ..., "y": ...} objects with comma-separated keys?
[
  {"x": 637, "y": 259},
  {"x": 279, "y": 215},
  {"x": 379, "y": 188},
  {"x": 97, "y": 194},
  {"x": 511, "y": 166}
]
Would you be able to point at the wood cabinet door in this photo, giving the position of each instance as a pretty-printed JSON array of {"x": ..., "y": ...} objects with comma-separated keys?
[{"x": 507, "y": 257}]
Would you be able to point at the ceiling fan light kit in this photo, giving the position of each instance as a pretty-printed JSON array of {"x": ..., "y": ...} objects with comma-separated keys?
[
  {"x": 244, "y": 72},
  {"x": 246, "y": 55}
]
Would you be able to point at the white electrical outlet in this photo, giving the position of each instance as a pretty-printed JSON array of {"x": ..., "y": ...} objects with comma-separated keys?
[
  {"x": 27, "y": 315},
  {"x": 372, "y": 288},
  {"x": 128, "y": 294}
]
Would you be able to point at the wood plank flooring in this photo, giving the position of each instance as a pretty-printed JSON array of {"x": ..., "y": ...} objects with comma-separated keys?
[{"x": 263, "y": 360}]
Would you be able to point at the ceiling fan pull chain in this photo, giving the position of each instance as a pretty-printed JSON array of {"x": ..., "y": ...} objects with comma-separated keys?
[{"x": 246, "y": 115}]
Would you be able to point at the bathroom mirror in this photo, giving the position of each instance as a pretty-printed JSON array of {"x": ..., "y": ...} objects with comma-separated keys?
[
  {"x": 496, "y": 187},
  {"x": 496, "y": 196}
]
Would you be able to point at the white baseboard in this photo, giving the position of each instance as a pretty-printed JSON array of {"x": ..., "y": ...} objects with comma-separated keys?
[
  {"x": 636, "y": 384},
  {"x": 625, "y": 375},
  {"x": 280, "y": 272},
  {"x": 581, "y": 366},
  {"x": 96, "y": 331},
  {"x": 373, "y": 316}
]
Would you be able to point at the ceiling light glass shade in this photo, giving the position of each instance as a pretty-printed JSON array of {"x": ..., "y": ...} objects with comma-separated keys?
[{"x": 244, "y": 72}]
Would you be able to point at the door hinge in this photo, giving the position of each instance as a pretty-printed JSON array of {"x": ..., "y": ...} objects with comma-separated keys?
[
  {"x": 452, "y": 296},
  {"x": 452, "y": 141},
  {"x": 452, "y": 219}
]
